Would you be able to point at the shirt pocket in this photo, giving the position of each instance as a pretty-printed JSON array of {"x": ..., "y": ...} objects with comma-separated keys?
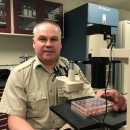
[{"x": 37, "y": 104}]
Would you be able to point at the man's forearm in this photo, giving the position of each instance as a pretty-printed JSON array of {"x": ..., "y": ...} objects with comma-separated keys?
[{"x": 18, "y": 123}]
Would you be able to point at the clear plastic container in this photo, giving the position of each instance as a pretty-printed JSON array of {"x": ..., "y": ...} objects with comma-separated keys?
[
  {"x": 24, "y": 11},
  {"x": 33, "y": 12},
  {"x": 29, "y": 11},
  {"x": 91, "y": 106},
  {"x": 1, "y": 1},
  {"x": 51, "y": 16}
]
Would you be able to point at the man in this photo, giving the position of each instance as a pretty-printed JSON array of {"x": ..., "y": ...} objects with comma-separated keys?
[{"x": 29, "y": 90}]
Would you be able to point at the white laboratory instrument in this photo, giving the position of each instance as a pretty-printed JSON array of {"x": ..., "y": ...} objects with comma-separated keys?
[
  {"x": 71, "y": 83},
  {"x": 124, "y": 56},
  {"x": 123, "y": 42},
  {"x": 120, "y": 54}
]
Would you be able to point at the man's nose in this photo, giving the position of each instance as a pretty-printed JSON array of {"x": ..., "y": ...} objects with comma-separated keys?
[{"x": 48, "y": 43}]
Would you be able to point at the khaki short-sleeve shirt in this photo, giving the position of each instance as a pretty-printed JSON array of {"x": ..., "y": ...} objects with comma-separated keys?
[{"x": 30, "y": 92}]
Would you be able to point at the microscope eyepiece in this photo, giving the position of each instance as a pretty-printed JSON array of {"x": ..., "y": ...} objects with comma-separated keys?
[{"x": 71, "y": 65}]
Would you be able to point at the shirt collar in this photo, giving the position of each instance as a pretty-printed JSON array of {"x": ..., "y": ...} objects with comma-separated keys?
[
  {"x": 37, "y": 62},
  {"x": 59, "y": 63}
]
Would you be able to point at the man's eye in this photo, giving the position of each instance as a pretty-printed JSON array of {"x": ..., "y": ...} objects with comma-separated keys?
[
  {"x": 42, "y": 39},
  {"x": 54, "y": 39}
]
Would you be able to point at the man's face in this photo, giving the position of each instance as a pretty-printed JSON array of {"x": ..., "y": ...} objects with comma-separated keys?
[{"x": 47, "y": 43}]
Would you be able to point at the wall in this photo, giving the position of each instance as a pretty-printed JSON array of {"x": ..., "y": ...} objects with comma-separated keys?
[
  {"x": 11, "y": 47},
  {"x": 124, "y": 15}
]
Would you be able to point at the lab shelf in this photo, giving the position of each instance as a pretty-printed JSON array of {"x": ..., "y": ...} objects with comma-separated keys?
[
  {"x": 27, "y": 17},
  {"x": 2, "y": 5},
  {"x": 2, "y": 23},
  {"x": 50, "y": 19}
]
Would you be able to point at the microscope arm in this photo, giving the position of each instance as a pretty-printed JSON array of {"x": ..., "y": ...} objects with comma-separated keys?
[{"x": 69, "y": 86}]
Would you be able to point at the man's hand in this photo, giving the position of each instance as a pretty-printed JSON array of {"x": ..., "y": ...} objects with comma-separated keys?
[
  {"x": 120, "y": 103},
  {"x": 66, "y": 126}
]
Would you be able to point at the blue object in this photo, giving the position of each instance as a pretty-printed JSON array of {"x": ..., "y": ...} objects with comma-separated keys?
[
  {"x": 96, "y": 14},
  {"x": 76, "y": 30}
]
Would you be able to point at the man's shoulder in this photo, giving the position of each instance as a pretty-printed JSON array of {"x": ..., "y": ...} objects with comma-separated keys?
[
  {"x": 24, "y": 64},
  {"x": 63, "y": 61},
  {"x": 66, "y": 62}
]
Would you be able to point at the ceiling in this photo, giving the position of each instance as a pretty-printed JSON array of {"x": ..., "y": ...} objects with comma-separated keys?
[{"x": 71, "y": 4}]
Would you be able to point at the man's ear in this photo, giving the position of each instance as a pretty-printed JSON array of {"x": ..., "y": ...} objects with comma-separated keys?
[
  {"x": 61, "y": 45},
  {"x": 33, "y": 43}
]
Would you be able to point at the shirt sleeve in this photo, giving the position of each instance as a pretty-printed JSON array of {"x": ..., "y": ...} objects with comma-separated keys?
[{"x": 14, "y": 99}]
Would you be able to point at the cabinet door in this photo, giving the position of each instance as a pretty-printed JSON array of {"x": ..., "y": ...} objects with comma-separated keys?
[
  {"x": 5, "y": 21},
  {"x": 26, "y": 15},
  {"x": 52, "y": 12}
]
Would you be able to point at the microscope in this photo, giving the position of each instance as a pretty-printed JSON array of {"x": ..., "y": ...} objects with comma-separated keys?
[
  {"x": 72, "y": 83},
  {"x": 101, "y": 25}
]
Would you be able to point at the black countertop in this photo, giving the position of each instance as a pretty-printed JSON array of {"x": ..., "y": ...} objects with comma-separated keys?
[{"x": 113, "y": 121}]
